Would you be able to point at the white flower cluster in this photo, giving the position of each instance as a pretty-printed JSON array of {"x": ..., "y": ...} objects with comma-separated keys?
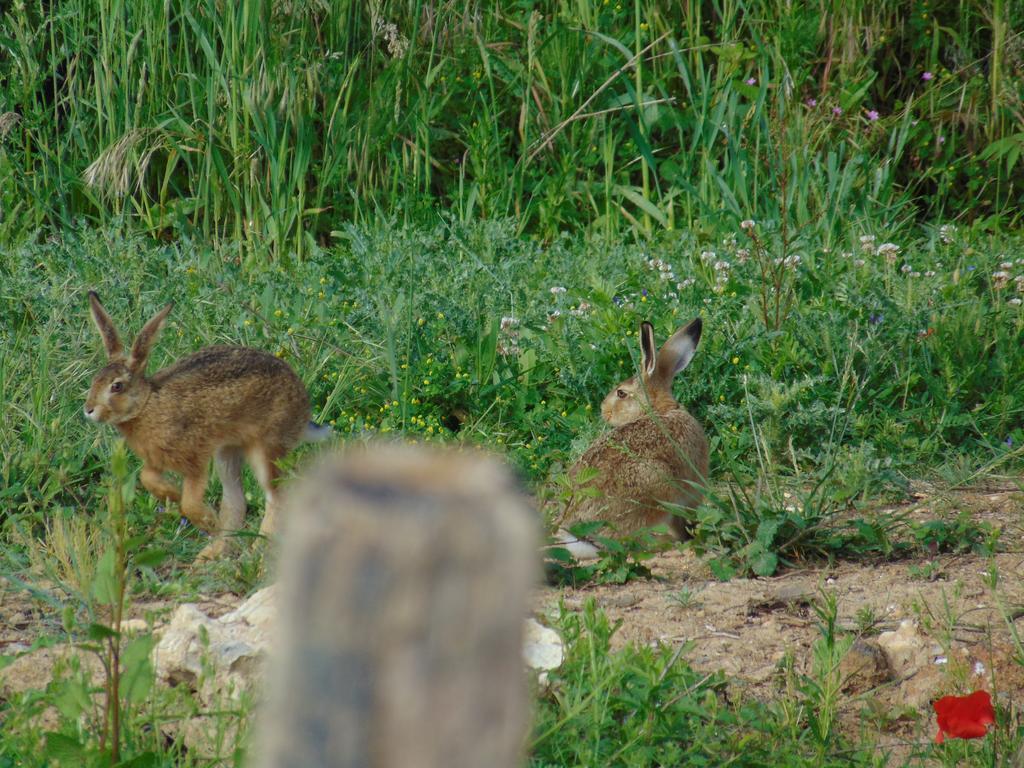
[
  {"x": 508, "y": 338},
  {"x": 889, "y": 251},
  {"x": 396, "y": 42},
  {"x": 1000, "y": 279},
  {"x": 947, "y": 234},
  {"x": 721, "y": 268},
  {"x": 663, "y": 268}
]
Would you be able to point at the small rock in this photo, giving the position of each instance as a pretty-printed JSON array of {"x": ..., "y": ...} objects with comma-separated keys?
[
  {"x": 134, "y": 626},
  {"x": 905, "y": 648},
  {"x": 542, "y": 647},
  {"x": 618, "y": 600},
  {"x": 864, "y": 667},
  {"x": 794, "y": 593},
  {"x": 235, "y": 647}
]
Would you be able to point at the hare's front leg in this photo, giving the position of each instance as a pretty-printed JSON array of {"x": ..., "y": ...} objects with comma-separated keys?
[{"x": 158, "y": 485}]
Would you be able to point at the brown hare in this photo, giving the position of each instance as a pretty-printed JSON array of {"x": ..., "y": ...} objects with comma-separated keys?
[
  {"x": 223, "y": 402},
  {"x": 656, "y": 453}
]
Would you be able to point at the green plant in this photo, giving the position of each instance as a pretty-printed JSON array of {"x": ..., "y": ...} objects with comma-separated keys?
[
  {"x": 619, "y": 559},
  {"x": 647, "y": 707}
]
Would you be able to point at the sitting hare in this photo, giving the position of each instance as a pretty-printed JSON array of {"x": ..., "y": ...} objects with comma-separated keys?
[
  {"x": 221, "y": 402},
  {"x": 656, "y": 452}
]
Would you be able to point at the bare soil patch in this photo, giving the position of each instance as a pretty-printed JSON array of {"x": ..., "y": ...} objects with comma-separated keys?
[{"x": 942, "y": 626}]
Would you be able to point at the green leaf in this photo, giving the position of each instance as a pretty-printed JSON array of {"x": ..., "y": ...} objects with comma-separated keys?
[
  {"x": 100, "y": 632},
  {"x": 722, "y": 569},
  {"x": 145, "y": 760},
  {"x": 766, "y": 531},
  {"x": 57, "y": 746},
  {"x": 150, "y": 558},
  {"x": 764, "y": 563},
  {"x": 72, "y": 700},
  {"x": 137, "y": 669},
  {"x": 585, "y": 529},
  {"x": 561, "y": 554},
  {"x": 104, "y": 585}
]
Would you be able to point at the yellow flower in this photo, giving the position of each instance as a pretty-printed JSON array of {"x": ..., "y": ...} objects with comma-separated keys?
[
  {"x": 420, "y": 322},
  {"x": 426, "y": 382},
  {"x": 735, "y": 361},
  {"x": 278, "y": 313}
]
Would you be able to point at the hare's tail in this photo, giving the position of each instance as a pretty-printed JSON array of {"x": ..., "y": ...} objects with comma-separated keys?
[
  {"x": 315, "y": 433},
  {"x": 579, "y": 548}
]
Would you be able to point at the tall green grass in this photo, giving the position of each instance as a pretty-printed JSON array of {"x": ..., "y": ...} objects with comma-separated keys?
[{"x": 274, "y": 122}]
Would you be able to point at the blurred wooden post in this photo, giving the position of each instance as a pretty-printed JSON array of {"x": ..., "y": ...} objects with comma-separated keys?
[{"x": 405, "y": 574}]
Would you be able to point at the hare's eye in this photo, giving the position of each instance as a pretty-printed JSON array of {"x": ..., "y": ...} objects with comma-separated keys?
[
  {"x": 621, "y": 393},
  {"x": 117, "y": 386}
]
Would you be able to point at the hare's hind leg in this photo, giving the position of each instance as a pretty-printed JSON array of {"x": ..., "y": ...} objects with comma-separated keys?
[
  {"x": 194, "y": 507},
  {"x": 262, "y": 461},
  {"x": 158, "y": 485},
  {"x": 228, "y": 461}
]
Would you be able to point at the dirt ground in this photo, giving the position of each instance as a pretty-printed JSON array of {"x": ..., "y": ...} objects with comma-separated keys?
[{"x": 924, "y": 628}]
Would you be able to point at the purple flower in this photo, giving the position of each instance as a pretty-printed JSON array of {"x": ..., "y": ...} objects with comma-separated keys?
[
  {"x": 942, "y": 139},
  {"x": 971, "y": 267},
  {"x": 876, "y": 319},
  {"x": 927, "y": 76},
  {"x": 873, "y": 114},
  {"x": 837, "y": 111},
  {"x": 617, "y": 301},
  {"x": 751, "y": 81},
  {"x": 1008, "y": 442},
  {"x": 644, "y": 291},
  {"x": 812, "y": 102}
]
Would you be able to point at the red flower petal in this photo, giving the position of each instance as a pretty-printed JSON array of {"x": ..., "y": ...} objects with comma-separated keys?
[{"x": 964, "y": 717}]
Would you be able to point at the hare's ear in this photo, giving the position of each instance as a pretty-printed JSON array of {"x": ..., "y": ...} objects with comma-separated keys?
[
  {"x": 146, "y": 338},
  {"x": 111, "y": 340},
  {"x": 647, "y": 347},
  {"x": 678, "y": 351}
]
